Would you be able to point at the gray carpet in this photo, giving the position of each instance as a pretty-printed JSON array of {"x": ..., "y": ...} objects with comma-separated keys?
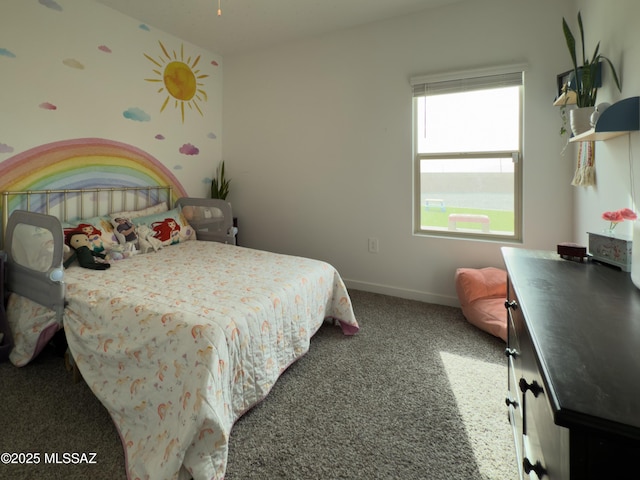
[{"x": 418, "y": 393}]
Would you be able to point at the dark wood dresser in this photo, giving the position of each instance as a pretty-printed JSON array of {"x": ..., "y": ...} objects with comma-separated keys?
[{"x": 574, "y": 367}]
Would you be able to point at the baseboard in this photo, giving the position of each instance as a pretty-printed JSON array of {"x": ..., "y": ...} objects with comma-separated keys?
[{"x": 403, "y": 293}]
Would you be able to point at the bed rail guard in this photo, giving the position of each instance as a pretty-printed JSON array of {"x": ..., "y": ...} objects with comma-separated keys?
[
  {"x": 34, "y": 249},
  {"x": 211, "y": 218}
]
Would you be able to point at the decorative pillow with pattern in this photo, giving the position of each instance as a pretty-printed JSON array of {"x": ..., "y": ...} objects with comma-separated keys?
[
  {"x": 143, "y": 212},
  {"x": 169, "y": 227},
  {"x": 98, "y": 229}
]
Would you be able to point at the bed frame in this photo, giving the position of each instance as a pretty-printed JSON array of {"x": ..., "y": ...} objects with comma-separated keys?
[
  {"x": 211, "y": 218},
  {"x": 77, "y": 203}
]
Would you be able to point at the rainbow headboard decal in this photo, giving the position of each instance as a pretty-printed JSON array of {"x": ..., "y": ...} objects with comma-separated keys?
[{"x": 84, "y": 163}]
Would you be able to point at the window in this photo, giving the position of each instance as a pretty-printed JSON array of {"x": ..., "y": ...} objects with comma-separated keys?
[{"x": 467, "y": 145}]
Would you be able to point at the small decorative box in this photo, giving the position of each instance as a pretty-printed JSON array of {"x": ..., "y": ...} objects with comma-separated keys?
[
  {"x": 611, "y": 249},
  {"x": 572, "y": 251}
]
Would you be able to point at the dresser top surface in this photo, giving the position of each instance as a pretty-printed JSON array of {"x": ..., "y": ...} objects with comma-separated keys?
[{"x": 584, "y": 322}]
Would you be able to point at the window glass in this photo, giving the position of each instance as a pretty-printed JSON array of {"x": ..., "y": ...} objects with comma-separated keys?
[
  {"x": 482, "y": 120},
  {"x": 468, "y": 161}
]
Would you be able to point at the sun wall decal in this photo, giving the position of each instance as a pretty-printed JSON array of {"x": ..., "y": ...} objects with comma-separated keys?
[{"x": 180, "y": 80}]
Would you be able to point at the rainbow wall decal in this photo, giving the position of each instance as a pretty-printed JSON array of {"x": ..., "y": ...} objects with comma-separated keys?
[{"x": 84, "y": 163}]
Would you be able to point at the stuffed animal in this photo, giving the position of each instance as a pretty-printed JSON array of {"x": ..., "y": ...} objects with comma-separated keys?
[
  {"x": 147, "y": 240},
  {"x": 115, "y": 255},
  {"x": 126, "y": 229},
  {"x": 121, "y": 252},
  {"x": 80, "y": 244}
]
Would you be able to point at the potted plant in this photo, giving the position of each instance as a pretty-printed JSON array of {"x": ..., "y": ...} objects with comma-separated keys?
[
  {"x": 220, "y": 184},
  {"x": 586, "y": 78}
]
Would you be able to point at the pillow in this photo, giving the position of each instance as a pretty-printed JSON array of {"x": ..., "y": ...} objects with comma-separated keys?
[
  {"x": 143, "y": 212},
  {"x": 169, "y": 227},
  {"x": 472, "y": 283},
  {"x": 98, "y": 229},
  {"x": 488, "y": 314},
  {"x": 482, "y": 293}
]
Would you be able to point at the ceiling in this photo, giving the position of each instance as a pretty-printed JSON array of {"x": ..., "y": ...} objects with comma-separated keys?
[{"x": 247, "y": 25}]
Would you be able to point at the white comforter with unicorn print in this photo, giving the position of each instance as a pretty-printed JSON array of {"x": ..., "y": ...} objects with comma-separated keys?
[{"x": 178, "y": 344}]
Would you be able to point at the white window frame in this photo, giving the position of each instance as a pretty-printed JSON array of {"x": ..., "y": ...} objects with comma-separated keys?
[{"x": 461, "y": 81}]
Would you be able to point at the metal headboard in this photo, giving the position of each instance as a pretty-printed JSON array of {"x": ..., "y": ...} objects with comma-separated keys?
[{"x": 82, "y": 203}]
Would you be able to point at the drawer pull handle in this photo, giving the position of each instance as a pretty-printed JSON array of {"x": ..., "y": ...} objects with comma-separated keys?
[
  {"x": 513, "y": 305},
  {"x": 510, "y": 402},
  {"x": 510, "y": 352},
  {"x": 534, "y": 387},
  {"x": 529, "y": 467}
]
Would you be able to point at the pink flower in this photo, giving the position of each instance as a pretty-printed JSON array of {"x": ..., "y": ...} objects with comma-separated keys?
[
  {"x": 613, "y": 217},
  {"x": 628, "y": 214},
  {"x": 619, "y": 216}
]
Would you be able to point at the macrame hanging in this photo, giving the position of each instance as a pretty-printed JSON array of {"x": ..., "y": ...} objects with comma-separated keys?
[{"x": 585, "y": 174}]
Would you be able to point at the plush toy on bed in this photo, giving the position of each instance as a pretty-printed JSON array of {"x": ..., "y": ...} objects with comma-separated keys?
[
  {"x": 80, "y": 244},
  {"x": 147, "y": 240}
]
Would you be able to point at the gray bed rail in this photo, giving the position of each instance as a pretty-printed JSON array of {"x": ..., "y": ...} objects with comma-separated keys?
[{"x": 42, "y": 283}]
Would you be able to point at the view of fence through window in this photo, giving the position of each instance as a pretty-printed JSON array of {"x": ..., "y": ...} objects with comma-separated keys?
[
  {"x": 478, "y": 196},
  {"x": 468, "y": 160}
]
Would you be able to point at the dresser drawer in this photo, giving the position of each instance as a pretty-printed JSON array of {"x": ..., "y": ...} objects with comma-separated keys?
[
  {"x": 546, "y": 444},
  {"x": 515, "y": 329},
  {"x": 514, "y": 396},
  {"x": 515, "y": 416},
  {"x": 543, "y": 447},
  {"x": 596, "y": 455}
]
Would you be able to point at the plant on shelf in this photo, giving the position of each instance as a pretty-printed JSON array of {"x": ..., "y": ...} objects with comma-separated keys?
[
  {"x": 220, "y": 184},
  {"x": 586, "y": 77}
]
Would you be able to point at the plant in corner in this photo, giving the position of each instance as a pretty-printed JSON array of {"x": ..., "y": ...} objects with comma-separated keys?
[
  {"x": 586, "y": 76},
  {"x": 220, "y": 184}
]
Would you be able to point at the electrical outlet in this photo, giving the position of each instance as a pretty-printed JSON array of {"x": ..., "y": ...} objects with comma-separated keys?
[{"x": 373, "y": 245}]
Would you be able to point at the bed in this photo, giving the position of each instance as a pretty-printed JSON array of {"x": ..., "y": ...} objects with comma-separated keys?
[{"x": 177, "y": 342}]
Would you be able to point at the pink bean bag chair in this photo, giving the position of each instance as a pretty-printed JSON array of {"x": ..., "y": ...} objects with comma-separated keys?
[{"x": 482, "y": 293}]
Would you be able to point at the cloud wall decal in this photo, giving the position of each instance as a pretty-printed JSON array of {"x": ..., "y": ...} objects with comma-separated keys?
[
  {"x": 188, "y": 149},
  {"x": 6, "y": 53},
  {"x": 73, "y": 63},
  {"x": 51, "y": 4},
  {"x": 136, "y": 114}
]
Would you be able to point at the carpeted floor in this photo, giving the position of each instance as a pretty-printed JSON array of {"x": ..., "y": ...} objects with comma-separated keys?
[{"x": 418, "y": 393}]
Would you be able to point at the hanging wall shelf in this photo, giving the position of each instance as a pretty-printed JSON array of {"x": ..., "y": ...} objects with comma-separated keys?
[
  {"x": 620, "y": 118},
  {"x": 567, "y": 86}
]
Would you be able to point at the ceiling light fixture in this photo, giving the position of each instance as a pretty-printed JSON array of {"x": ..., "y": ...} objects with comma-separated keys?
[{"x": 219, "y": 9}]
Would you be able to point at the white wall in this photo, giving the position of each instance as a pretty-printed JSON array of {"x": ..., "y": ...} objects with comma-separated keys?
[
  {"x": 614, "y": 25},
  {"x": 318, "y": 141},
  {"x": 88, "y": 61}
]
